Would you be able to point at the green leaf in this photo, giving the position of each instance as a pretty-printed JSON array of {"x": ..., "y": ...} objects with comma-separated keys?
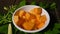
[
  {"x": 53, "y": 6},
  {"x": 33, "y": 3},
  {"x": 12, "y": 8},
  {"x": 57, "y": 25},
  {"x": 42, "y": 5},
  {"x": 22, "y": 3},
  {"x": 4, "y": 29},
  {"x": 55, "y": 29},
  {"x": 15, "y": 29},
  {"x": 25, "y": 33},
  {"x": 48, "y": 32}
]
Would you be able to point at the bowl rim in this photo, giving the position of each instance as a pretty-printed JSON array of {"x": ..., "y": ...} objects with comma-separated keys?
[{"x": 27, "y": 30}]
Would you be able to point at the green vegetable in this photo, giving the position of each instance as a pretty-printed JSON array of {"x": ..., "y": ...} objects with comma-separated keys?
[
  {"x": 5, "y": 8},
  {"x": 9, "y": 29}
]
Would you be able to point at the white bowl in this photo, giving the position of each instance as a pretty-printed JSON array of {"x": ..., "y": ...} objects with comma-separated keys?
[{"x": 28, "y": 8}]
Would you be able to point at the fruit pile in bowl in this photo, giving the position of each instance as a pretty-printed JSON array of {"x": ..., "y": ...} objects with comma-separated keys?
[{"x": 30, "y": 18}]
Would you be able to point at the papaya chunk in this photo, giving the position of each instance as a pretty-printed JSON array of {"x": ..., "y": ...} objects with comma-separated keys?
[
  {"x": 29, "y": 25},
  {"x": 16, "y": 19},
  {"x": 42, "y": 21},
  {"x": 21, "y": 13},
  {"x": 20, "y": 22},
  {"x": 32, "y": 20},
  {"x": 40, "y": 25},
  {"x": 27, "y": 16},
  {"x": 36, "y": 11}
]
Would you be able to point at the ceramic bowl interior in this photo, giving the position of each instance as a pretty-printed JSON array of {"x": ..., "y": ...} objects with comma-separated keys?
[{"x": 27, "y": 8}]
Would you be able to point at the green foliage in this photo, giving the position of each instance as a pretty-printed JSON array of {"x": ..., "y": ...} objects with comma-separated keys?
[
  {"x": 42, "y": 5},
  {"x": 53, "y": 5},
  {"x": 55, "y": 29},
  {"x": 4, "y": 29},
  {"x": 33, "y": 3},
  {"x": 22, "y": 3}
]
